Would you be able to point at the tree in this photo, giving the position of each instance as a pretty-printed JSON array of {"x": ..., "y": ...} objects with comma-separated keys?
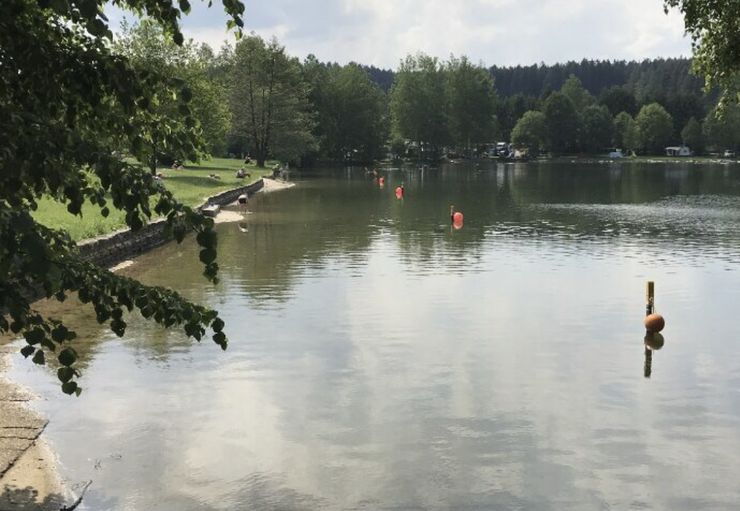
[
  {"x": 618, "y": 99},
  {"x": 148, "y": 48},
  {"x": 418, "y": 102},
  {"x": 573, "y": 89},
  {"x": 530, "y": 132},
  {"x": 472, "y": 102},
  {"x": 623, "y": 123},
  {"x": 596, "y": 128},
  {"x": 270, "y": 100},
  {"x": 66, "y": 105},
  {"x": 511, "y": 109},
  {"x": 632, "y": 137},
  {"x": 351, "y": 111},
  {"x": 715, "y": 32},
  {"x": 722, "y": 127},
  {"x": 562, "y": 123},
  {"x": 693, "y": 136},
  {"x": 210, "y": 103},
  {"x": 655, "y": 127}
]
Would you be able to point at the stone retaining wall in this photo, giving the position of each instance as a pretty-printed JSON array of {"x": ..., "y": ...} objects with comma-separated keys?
[{"x": 111, "y": 249}]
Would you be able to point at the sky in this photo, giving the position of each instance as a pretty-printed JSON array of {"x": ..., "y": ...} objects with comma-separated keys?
[{"x": 495, "y": 32}]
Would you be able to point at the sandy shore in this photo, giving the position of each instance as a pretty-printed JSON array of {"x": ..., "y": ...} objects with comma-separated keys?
[
  {"x": 28, "y": 475},
  {"x": 273, "y": 185},
  {"x": 229, "y": 214}
]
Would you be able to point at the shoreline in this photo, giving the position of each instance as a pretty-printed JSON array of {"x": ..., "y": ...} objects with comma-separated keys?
[
  {"x": 270, "y": 185},
  {"x": 29, "y": 475},
  {"x": 28, "y": 465}
]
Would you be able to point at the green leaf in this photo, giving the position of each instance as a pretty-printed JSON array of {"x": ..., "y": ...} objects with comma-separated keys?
[
  {"x": 70, "y": 388},
  {"x": 207, "y": 238},
  {"x": 67, "y": 357},
  {"x": 208, "y": 255},
  {"x": 39, "y": 358},
  {"x": 65, "y": 374},
  {"x": 220, "y": 339},
  {"x": 217, "y": 325},
  {"x": 34, "y": 336},
  {"x": 59, "y": 334}
]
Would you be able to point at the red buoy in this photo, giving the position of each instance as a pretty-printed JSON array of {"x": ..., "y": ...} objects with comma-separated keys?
[
  {"x": 399, "y": 192},
  {"x": 457, "y": 218},
  {"x": 381, "y": 181}
]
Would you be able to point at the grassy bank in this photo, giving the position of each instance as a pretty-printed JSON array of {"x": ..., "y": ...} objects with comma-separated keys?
[{"x": 191, "y": 186}]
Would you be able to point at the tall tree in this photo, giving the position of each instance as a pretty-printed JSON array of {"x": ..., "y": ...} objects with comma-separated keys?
[
  {"x": 418, "y": 102},
  {"x": 351, "y": 111},
  {"x": 623, "y": 123},
  {"x": 511, "y": 109},
  {"x": 210, "y": 103},
  {"x": 149, "y": 49},
  {"x": 574, "y": 90},
  {"x": 562, "y": 123},
  {"x": 618, "y": 99},
  {"x": 66, "y": 105},
  {"x": 722, "y": 127},
  {"x": 693, "y": 136},
  {"x": 655, "y": 127},
  {"x": 472, "y": 102},
  {"x": 596, "y": 128},
  {"x": 530, "y": 132},
  {"x": 270, "y": 100}
]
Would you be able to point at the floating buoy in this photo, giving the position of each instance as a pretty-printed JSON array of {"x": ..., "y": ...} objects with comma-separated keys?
[
  {"x": 456, "y": 218},
  {"x": 399, "y": 192},
  {"x": 381, "y": 181},
  {"x": 654, "y": 322}
]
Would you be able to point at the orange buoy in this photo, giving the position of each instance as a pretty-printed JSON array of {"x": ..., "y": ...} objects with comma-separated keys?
[
  {"x": 654, "y": 323},
  {"x": 457, "y": 218}
]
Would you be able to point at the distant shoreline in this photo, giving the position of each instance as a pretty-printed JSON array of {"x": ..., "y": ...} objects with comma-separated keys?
[{"x": 642, "y": 159}]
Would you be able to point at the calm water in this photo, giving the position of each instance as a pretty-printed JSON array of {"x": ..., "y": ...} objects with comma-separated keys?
[{"x": 379, "y": 360}]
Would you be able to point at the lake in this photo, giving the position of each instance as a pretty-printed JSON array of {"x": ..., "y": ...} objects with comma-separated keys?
[{"x": 380, "y": 359}]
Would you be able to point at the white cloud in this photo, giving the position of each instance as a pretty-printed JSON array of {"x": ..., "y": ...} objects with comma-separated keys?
[{"x": 502, "y": 32}]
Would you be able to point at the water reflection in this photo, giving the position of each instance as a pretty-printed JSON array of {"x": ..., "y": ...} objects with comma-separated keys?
[
  {"x": 653, "y": 342},
  {"x": 381, "y": 360}
]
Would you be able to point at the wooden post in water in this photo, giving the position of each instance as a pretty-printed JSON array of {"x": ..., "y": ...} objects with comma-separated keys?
[{"x": 649, "y": 309}]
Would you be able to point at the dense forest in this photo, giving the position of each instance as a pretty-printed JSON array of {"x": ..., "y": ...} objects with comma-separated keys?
[{"x": 253, "y": 98}]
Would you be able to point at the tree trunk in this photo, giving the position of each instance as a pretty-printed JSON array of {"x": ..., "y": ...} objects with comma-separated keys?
[{"x": 153, "y": 161}]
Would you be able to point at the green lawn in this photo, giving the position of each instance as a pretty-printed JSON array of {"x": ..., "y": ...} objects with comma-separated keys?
[{"x": 191, "y": 186}]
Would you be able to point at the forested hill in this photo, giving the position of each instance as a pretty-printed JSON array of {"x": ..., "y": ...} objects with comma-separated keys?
[
  {"x": 647, "y": 80},
  {"x": 383, "y": 77}
]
